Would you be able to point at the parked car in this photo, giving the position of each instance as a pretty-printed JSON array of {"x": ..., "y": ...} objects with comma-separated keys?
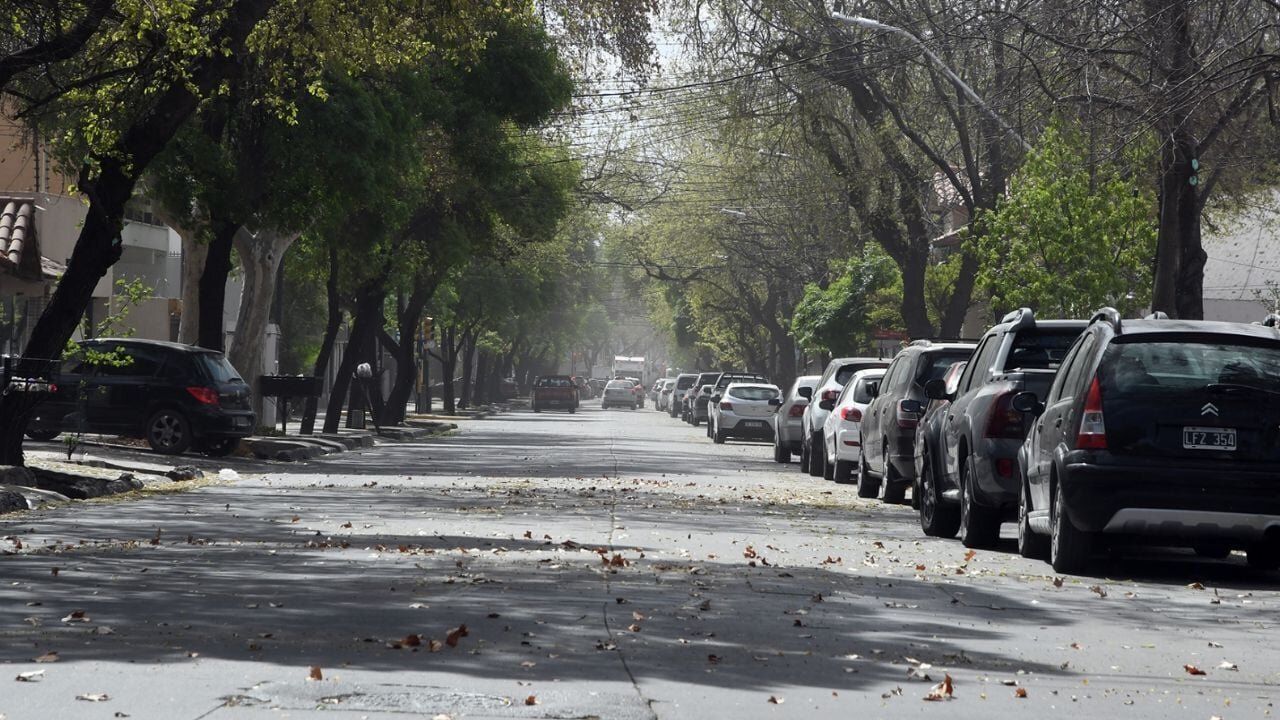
[
  {"x": 664, "y": 394},
  {"x": 842, "y": 430},
  {"x": 172, "y": 395},
  {"x": 619, "y": 393},
  {"x": 1163, "y": 430},
  {"x": 889, "y": 424},
  {"x": 684, "y": 381},
  {"x": 924, "y": 496},
  {"x": 554, "y": 391},
  {"x": 742, "y": 410},
  {"x": 653, "y": 390},
  {"x": 977, "y": 480},
  {"x": 698, "y": 411},
  {"x": 584, "y": 389},
  {"x": 833, "y": 379},
  {"x": 691, "y": 395},
  {"x": 786, "y": 422},
  {"x": 639, "y": 390}
]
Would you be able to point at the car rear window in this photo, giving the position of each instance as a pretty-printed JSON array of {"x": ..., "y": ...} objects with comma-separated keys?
[
  {"x": 619, "y": 385},
  {"x": 559, "y": 382},
  {"x": 217, "y": 367},
  {"x": 754, "y": 393},
  {"x": 846, "y": 371},
  {"x": 934, "y": 365},
  {"x": 1040, "y": 349},
  {"x": 1167, "y": 366}
]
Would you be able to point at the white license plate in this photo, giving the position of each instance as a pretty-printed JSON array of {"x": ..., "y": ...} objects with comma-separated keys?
[
  {"x": 1207, "y": 438},
  {"x": 752, "y": 424}
]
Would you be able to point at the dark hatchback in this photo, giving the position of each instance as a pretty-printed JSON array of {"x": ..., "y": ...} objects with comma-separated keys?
[
  {"x": 173, "y": 396},
  {"x": 1164, "y": 431}
]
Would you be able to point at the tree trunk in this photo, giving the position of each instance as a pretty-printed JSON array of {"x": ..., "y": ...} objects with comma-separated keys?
[
  {"x": 210, "y": 321},
  {"x": 468, "y": 366},
  {"x": 368, "y": 318},
  {"x": 448, "y": 358},
  {"x": 108, "y": 189},
  {"x": 260, "y": 257},
  {"x": 330, "y": 337}
]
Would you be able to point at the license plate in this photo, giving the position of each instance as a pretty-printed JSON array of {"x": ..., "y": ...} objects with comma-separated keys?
[
  {"x": 242, "y": 422},
  {"x": 1206, "y": 438},
  {"x": 752, "y": 423}
]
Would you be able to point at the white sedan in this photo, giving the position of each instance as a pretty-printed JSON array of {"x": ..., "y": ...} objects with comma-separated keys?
[
  {"x": 842, "y": 430},
  {"x": 744, "y": 410}
]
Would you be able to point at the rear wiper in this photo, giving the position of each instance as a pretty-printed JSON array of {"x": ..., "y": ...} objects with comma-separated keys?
[{"x": 1234, "y": 388}]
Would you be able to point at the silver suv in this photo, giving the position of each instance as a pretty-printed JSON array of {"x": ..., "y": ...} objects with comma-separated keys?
[{"x": 829, "y": 385}]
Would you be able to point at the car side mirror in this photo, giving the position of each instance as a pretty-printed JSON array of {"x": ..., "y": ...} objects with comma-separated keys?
[
  {"x": 775, "y": 402},
  {"x": 827, "y": 405},
  {"x": 715, "y": 398},
  {"x": 1027, "y": 402},
  {"x": 805, "y": 392},
  {"x": 911, "y": 406},
  {"x": 936, "y": 390}
]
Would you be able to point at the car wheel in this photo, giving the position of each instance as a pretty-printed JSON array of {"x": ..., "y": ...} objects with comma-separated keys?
[
  {"x": 780, "y": 453},
  {"x": 816, "y": 454},
  {"x": 573, "y": 410},
  {"x": 842, "y": 473},
  {"x": 719, "y": 437},
  {"x": 42, "y": 435},
  {"x": 804, "y": 453},
  {"x": 168, "y": 432},
  {"x": 221, "y": 447},
  {"x": 867, "y": 488},
  {"x": 1030, "y": 544},
  {"x": 537, "y": 409},
  {"x": 828, "y": 467},
  {"x": 1263, "y": 555},
  {"x": 937, "y": 519},
  {"x": 979, "y": 525},
  {"x": 1069, "y": 547}
]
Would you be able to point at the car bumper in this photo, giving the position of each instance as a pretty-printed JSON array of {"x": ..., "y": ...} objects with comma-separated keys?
[
  {"x": 996, "y": 472},
  {"x": 902, "y": 454},
  {"x": 1186, "y": 500},
  {"x": 223, "y": 424},
  {"x": 745, "y": 427},
  {"x": 846, "y": 451}
]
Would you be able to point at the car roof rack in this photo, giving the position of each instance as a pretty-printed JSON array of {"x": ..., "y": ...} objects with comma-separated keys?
[
  {"x": 1157, "y": 315},
  {"x": 1022, "y": 318},
  {"x": 1109, "y": 315},
  {"x": 1272, "y": 320}
]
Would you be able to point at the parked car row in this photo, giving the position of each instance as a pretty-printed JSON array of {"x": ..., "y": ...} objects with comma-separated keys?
[{"x": 1082, "y": 432}]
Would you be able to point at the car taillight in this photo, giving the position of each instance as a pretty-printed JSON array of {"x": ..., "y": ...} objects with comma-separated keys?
[
  {"x": 208, "y": 396},
  {"x": 906, "y": 419},
  {"x": 1005, "y": 422},
  {"x": 830, "y": 395},
  {"x": 1093, "y": 431},
  {"x": 726, "y": 406},
  {"x": 852, "y": 414},
  {"x": 796, "y": 411},
  {"x": 1004, "y": 467}
]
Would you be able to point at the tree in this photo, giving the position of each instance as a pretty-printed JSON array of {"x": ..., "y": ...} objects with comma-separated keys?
[
  {"x": 841, "y": 318},
  {"x": 1075, "y": 233}
]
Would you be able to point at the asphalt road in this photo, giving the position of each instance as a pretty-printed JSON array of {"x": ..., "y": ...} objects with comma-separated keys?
[{"x": 611, "y": 564}]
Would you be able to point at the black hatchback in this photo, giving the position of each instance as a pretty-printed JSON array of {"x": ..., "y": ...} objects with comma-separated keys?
[
  {"x": 1165, "y": 431},
  {"x": 173, "y": 396}
]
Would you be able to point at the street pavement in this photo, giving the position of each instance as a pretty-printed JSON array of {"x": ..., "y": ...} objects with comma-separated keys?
[{"x": 606, "y": 564}]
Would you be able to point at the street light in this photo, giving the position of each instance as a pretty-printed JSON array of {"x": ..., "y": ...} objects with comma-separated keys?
[{"x": 937, "y": 61}]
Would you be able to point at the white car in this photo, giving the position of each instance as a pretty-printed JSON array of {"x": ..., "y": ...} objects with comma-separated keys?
[
  {"x": 745, "y": 410},
  {"x": 663, "y": 400},
  {"x": 842, "y": 430},
  {"x": 619, "y": 393},
  {"x": 833, "y": 380},
  {"x": 787, "y": 421}
]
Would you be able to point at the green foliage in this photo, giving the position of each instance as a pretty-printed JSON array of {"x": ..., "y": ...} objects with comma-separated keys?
[
  {"x": 840, "y": 318},
  {"x": 1075, "y": 233}
]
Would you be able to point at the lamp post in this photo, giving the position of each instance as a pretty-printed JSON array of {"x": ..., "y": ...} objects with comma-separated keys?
[{"x": 937, "y": 62}]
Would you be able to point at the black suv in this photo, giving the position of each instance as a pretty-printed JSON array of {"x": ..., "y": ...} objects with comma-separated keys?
[
  {"x": 174, "y": 396},
  {"x": 1163, "y": 430},
  {"x": 889, "y": 422}
]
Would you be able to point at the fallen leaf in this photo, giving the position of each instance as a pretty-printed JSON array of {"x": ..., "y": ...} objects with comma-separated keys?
[
  {"x": 345, "y": 525},
  {"x": 30, "y": 676},
  {"x": 1193, "y": 670},
  {"x": 49, "y": 657},
  {"x": 636, "y": 616},
  {"x": 94, "y": 697},
  {"x": 531, "y": 700},
  {"x": 1101, "y": 591},
  {"x": 713, "y": 658},
  {"x": 970, "y": 555},
  {"x": 941, "y": 691},
  {"x": 76, "y": 616},
  {"x": 749, "y": 552},
  {"x": 1196, "y": 586},
  {"x": 1020, "y": 693},
  {"x": 411, "y": 640},
  {"x": 528, "y": 534},
  {"x": 435, "y": 646},
  {"x": 1227, "y": 665},
  {"x": 1057, "y": 582},
  {"x": 775, "y": 700},
  {"x": 920, "y": 568},
  {"x": 1213, "y": 644},
  {"x": 451, "y": 639},
  {"x": 634, "y": 627},
  {"x": 528, "y": 664},
  {"x": 315, "y": 673}
]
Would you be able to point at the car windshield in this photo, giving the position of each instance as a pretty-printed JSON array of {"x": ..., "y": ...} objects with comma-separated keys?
[
  {"x": 619, "y": 385},
  {"x": 1167, "y": 367},
  {"x": 934, "y": 365},
  {"x": 217, "y": 367},
  {"x": 753, "y": 393},
  {"x": 846, "y": 372},
  {"x": 554, "y": 382}
]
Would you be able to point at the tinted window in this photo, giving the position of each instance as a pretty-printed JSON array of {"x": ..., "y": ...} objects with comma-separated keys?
[
  {"x": 846, "y": 371},
  {"x": 934, "y": 365},
  {"x": 1165, "y": 367},
  {"x": 559, "y": 382},
  {"x": 1040, "y": 349},
  {"x": 1082, "y": 359},
  {"x": 216, "y": 366},
  {"x": 619, "y": 385},
  {"x": 863, "y": 388},
  {"x": 982, "y": 358},
  {"x": 754, "y": 393},
  {"x": 132, "y": 362}
]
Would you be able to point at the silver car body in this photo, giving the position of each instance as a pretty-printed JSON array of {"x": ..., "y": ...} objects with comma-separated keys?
[
  {"x": 744, "y": 409},
  {"x": 841, "y": 436},
  {"x": 787, "y": 421}
]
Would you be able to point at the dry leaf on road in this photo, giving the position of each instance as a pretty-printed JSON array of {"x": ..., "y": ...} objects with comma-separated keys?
[
  {"x": 315, "y": 673},
  {"x": 76, "y": 616},
  {"x": 30, "y": 676},
  {"x": 1193, "y": 670},
  {"x": 49, "y": 657},
  {"x": 451, "y": 639},
  {"x": 1101, "y": 591},
  {"x": 531, "y": 700},
  {"x": 1020, "y": 693},
  {"x": 93, "y": 697},
  {"x": 1227, "y": 665},
  {"x": 941, "y": 691},
  {"x": 775, "y": 700}
]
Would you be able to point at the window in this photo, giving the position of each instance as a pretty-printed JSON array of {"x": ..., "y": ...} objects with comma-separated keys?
[
  {"x": 1071, "y": 376},
  {"x": 1040, "y": 349},
  {"x": 131, "y": 362},
  {"x": 966, "y": 378},
  {"x": 753, "y": 393},
  {"x": 934, "y": 365},
  {"x": 898, "y": 376},
  {"x": 864, "y": 387}
]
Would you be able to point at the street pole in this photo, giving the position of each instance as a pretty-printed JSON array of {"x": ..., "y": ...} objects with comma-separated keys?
[{"x": 937, "y": 62}]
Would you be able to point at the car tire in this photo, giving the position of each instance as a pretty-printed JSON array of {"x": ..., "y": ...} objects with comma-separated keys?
[
  {"x": 780, "y": 453},
  {"x": 537, "y": 409},
  {"x": 867, "y": 488},
  {"x": 937, "y": 519},
  {"x": 1030, "y": 544},
  {"x": 719, "y": 437},
  {"x": 221, "y": 447},
  {"x": 895, "y": 492},
  {"x": 573, "y": 410},
  {"x": 1263, "y": 555},
  {"x": 42, "y": 435},
  {"x": 168, "y": 432},
  {"x": 828, "y": 467},
  {"x": 1069, "y": 547},
  {"x": 842, "y": 473},
  {"x": 816, "y": 454},
  {"x": 979, "y": 525}
]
